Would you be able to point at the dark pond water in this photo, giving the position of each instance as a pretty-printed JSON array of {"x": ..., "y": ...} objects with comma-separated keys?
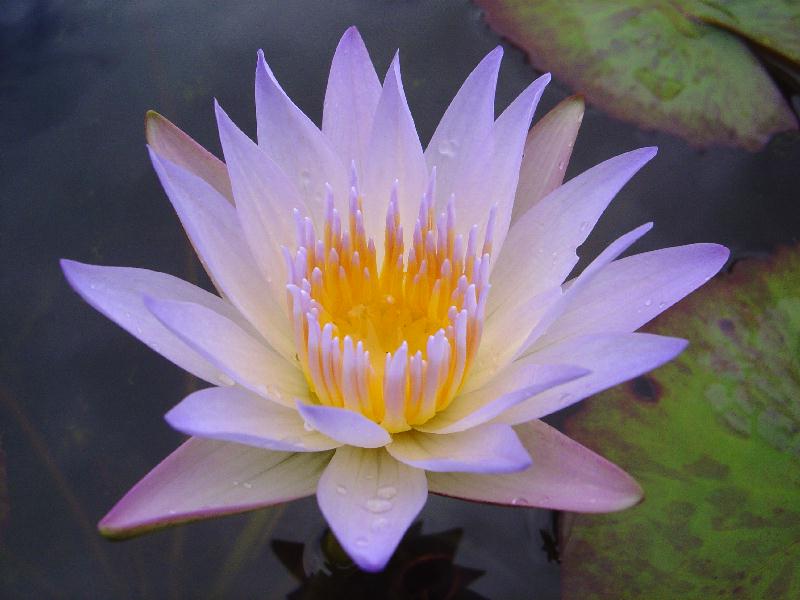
[{"x": 81, "y": 402}]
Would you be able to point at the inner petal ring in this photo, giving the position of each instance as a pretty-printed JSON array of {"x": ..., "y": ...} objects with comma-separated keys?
[{"x": 396, "y": 343}]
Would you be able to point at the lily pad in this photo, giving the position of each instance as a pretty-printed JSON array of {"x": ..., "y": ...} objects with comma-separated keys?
[
  {"x": 714, "y": 439},
  {"x": 683, "y": 66}
]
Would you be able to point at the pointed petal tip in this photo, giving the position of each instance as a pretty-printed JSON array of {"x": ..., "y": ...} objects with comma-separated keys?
[
  {"x": 68, "y": 265},
  {"x": 649, "y": 151},
  {"x": 152, "y": 120},
  {"x": 351, "y": 34},
  {"x": 494, "y": 57},
  {"x": 632, "y": 495}
]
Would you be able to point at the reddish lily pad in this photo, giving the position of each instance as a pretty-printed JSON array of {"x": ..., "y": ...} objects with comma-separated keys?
[
  {"x": 683, "y": 66},
  {"x": 714, "y": 439}
]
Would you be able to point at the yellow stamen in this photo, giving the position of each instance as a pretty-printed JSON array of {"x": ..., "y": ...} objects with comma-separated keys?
[{"x": 394, "y": 344}]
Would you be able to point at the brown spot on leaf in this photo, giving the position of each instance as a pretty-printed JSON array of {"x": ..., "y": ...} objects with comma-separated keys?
[
  {"x": 727, "y": 327},
  {"x": 646, "y": 389},
  {"x": 708, "y": 468}
]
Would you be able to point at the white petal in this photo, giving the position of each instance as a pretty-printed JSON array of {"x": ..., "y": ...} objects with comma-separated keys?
[
  {"x": 505, "y": 331},
  {"x": 611, "y": 252},
  {"x": 212, "y": 224},
  {"x": 350, "y": 100},
  {"x": 169, "y": 141},
  {"x": 629, "y": 292},
  {"x": 493, "y": 178},
  {"x": 483, "y": 449},
  {"x": 265, "y": 198},
  {"x": 611, "y": 357},
  {"x": 518, "y": 382},
  {"x": 233, "y": 414},
  {"x": 531, "y": 330},
  {"x": 465, "y": 125},
  {"x": 206, "y": 478},
  {"x": 394, "y": 153},
  {"x": 547, "y": 152},
  {"x": 232, "y": 349},
  {"x": 296, "y": 145},
  {"x": 118, "y": 293},
  {"x": 369, "y": 499},
  {"x": 540, "y": 249},
  {"x": 344, "y": 425},
  {"x": 564, "y": 476}
]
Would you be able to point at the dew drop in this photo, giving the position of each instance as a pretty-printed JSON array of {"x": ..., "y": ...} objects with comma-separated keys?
[
  {"x": 308, "y": 426},
  {"x": 93, "y": 286},
  {"x": 341, "y": 490},
  {"x": 448, "y": 148},
  {"x": 225, "y": 379},
  {"x": 379, "y": 505},
  {"x": 139, "y": 329},
  {"x": 519, "y": 501},
  {"x": 248, "y": 485},
  {"x": 379, "y": 524},
  {"x": 648, "y": 302},
  {"x": 173, "y": 512},
  {"x": 662, "y": 305},
  {"x": 361, "y": 542},
  {"x": 562, "y": 165},
  {"x": 127, "y": 315},
  {"x": 584, "y": 226},
  {"x": 387, "y": 492}
]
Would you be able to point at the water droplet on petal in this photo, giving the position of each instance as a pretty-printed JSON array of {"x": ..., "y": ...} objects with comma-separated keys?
[
  {"x": 448, "y": 148},
  {"x": 379, "y": 505},
  {"x": 308, "y": 426},
  {"x": 361, "y": 542},
  {"x": 248, "y": 485},
  {"x": 341, "y": 490},
  {"x": 648, "y": 302},
  {"x": 387, "y": 492},
  {"x": 379, "y": 524},
  {"x": 519, "y": 501},
  {"x": 662, "y": 305},
  {"x": 584, "y": 226},
  {"x": 224, "y": 379},
  {"x": 562, "y": 165}
]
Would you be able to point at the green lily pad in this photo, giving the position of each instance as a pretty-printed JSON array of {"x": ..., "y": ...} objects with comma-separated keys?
[
  {"x": 682, "y": 66},
  {"x": 714, "y": 439}
]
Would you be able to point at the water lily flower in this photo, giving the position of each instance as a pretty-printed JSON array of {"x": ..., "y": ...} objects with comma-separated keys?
[{"x": 390, "y": 321}]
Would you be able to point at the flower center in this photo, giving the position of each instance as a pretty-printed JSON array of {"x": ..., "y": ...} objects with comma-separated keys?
[{"x": 394, "y": 343}]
